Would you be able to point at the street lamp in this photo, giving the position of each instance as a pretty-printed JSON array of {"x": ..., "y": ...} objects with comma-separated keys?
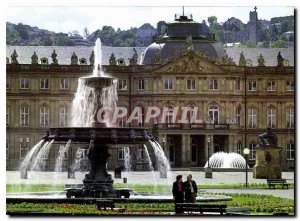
[
  {"x": 163, "y": 141},
  {"x": 208, "y": 170},
  {"x": 246, "y": 153},
  {"x": 208, "y": 145}
]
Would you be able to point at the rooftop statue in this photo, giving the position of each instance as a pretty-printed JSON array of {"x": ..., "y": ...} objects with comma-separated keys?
[
  {"x": 268, "y": 139},
  {"x": 112, "y": 59},
  {"x": 242, "y": 61},
  {"x": 92, "y": 58},
  {"x": 53, "y": 56},
  {"x": 34, "y": 59},
  {"x": 133, "y": 60},
  {"x": 74, "y": 59},
  {"x": 261, "y": 60},
  {"x": 189, "y": 41},
  {"x": 7, "y": 60},
  {"x": 279, "y": 60},
  {"x": 14, "y": 58}
]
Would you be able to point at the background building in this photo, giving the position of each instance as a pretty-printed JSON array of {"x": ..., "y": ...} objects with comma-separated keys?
[{"x": 238, "y": 97}]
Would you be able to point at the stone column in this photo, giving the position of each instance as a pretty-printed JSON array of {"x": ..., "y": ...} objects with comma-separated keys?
[
  {"x": 188, "y": 150},
  {"x": 183, "y": 151}
]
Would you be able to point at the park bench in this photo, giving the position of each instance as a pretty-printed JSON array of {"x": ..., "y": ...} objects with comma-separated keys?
[
  {"x": 274, "y": 182},
  {"x": 103, "y": 204},
  {"x": 202, "y": 208},
  {"x": 238, "y": 211}
]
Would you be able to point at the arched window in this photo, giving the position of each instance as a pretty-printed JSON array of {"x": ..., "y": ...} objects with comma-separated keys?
[
  {"x": 252, "y": 148},
  {"x": 290, "y": 118},
  {"x": 271, "y": 117},
  {"x": 252, "y": 117},
  {"x": 290, "y": 148},
  {"x": 213, "y": 114}
]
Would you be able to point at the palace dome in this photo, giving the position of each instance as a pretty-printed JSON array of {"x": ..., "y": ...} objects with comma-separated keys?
[{"x": 175, "y": 41}]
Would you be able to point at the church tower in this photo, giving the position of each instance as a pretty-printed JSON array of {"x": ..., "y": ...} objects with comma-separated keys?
[{"x": 253, "y": 26}]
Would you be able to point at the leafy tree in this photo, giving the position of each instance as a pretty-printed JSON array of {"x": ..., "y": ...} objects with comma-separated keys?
[
  {"x": 278, "y": 44},
  {"x": 24, "y": 34},
  {"x": 47, "y": 41},
  {"x": 64, "y": 41},
  {"x": 11, "y": 35}
]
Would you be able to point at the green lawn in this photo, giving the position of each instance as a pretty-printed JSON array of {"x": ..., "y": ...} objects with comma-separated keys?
[{"x": 258, "y": 204}]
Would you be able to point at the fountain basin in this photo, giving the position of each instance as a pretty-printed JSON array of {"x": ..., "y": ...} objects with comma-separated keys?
[
  {"x": 97, "y": 82},
  {"x": 109, "y": 135}
]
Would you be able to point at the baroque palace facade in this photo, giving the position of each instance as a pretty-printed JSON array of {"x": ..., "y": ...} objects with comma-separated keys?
[{"x": 238, "y": 93}]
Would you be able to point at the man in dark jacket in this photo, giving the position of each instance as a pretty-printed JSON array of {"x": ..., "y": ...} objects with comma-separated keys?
[
  {"x": 178, "y": 190},
  {"x": 190, "y": 189}
]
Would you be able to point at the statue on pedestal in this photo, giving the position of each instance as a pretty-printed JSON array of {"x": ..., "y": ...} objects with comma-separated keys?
[
  {"x": 92, "y": 58},
  {"x": 14, "y": 58},
  {"x": 242, "y": 61},
  {"x": 53, "y": 56},
  {"x": 34, "y": 59},
  {"x": 268, "y": 136},
  {"x": 112, "y": 59},
  {"x": 261, "y": 60},
  {"x": 279, "y": 60},
  {"x": 74, "y": 59}
]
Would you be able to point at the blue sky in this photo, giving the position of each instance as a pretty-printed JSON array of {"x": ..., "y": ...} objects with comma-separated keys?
[{"x": 65, "y": 19}]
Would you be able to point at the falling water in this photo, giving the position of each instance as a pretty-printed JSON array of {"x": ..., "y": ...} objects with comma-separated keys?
[
  {"x": 98, "y": 58},
  {"x": 60, "y": 156},
  {"x": 151, "y": 168},
  {"x": 163, "y": 164},
  {"x": 127, "y": 159},
  {"x": 226, "y": 160},
  {"x": 25, "y": 163},
  {"x": 87, "y": 99},
  {"x": 39, "y": 163},
  {"x": 78, "y": 159}
]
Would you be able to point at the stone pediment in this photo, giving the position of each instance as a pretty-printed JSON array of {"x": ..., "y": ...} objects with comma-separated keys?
[{"x": 190, "y": 63}]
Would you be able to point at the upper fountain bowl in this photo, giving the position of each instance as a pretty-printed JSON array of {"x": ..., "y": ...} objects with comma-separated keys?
[{"x": 97, "y": 82}]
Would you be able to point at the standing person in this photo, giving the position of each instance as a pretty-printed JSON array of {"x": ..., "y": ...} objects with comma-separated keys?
[
  {"x": 178, "y": 190},
  {"x": 190, "y": 189}
]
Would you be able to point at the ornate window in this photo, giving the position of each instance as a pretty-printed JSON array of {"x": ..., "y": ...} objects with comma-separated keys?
[
  {"x": 63, "y": 116},
  {"x": 122, "y": 85},
  {"x": 191, "y": 84},
  {"x": 290, "y": 118},
  {"x": 24, "y": 147},
  {"x": 252, "y": 117},
  {"x": 44, "y": 83},
  {"x": 271, "y": 85},
  {"x": 213, "y": 114},
  {"x": 121, "y": 153},
  {"x": 24, "y": 83},
  {"x": 64, "y": 84},
  {"x": 251, "y": 85},
  {"x": 24, "y": 116},
  {"x": 271, "y": 118},
  {"x": 141, "y": 83},
  {"x": 44, "y": 116},
  {"x": 290, "y": 148},
  {"x": 168, "y": 84},
  {"x": 290, "y": 85},
  {"x": 213, "y": 84},
  {"x": 252, "y": 148}
]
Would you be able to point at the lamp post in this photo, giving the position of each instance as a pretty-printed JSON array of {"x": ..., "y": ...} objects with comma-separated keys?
[
  {"x": 246, "y": 153},
  {"x": 208, "y": 170},
  {"x": 163, "y": 141}
]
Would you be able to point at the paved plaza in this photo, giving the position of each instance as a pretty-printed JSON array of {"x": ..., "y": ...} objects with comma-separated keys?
[{"x": 13, "y": 177}]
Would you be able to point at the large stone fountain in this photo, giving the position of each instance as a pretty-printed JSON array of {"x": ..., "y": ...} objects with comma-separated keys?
[{"x": 98, "y": 183}]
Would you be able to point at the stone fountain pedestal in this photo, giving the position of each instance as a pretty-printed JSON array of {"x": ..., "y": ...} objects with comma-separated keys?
[{"x": 267, "y": 163}]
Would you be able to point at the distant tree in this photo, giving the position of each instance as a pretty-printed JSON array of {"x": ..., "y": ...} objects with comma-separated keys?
[
  {"x": 213, "y": 23},
  {"x": 64, "y": 41},
  {"x": 11, "y": 35},
  {"x": 278, "y": 44},
  {"x": 24, "y": 34},
  {"x": 248, "y": 44},
  {"x": 47, "y": 41}
]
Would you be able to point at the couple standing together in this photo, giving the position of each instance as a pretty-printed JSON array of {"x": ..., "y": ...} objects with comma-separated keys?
[{"x": 187, "y": 190}]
